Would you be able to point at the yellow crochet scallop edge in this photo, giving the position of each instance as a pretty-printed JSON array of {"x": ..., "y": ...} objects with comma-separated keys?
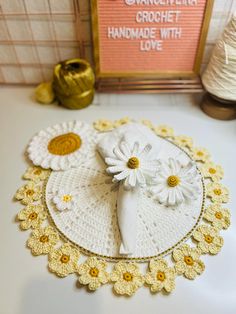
[{"x": 125, "y": 276}]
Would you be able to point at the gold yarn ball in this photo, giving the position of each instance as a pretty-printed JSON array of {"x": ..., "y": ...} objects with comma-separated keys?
[
  {"x": 79, "y": 101},
  {"x": 44, "y": 93},
  {"x": 73, "y": 83}
]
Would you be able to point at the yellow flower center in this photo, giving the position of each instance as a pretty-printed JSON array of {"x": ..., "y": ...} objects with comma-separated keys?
[
  {"x": 65, "y": 259},
  {"x": 161, "y": 276},
  {"x": 133, "y": 163},
  {"x": 33, "y": 216},
  {"x": 67, "y": 198},
  {"x": 173, "y": 181},
  {"x": 94, "y": 272},
  {"x": 212, "y": 171},
  {"x": 163, "y": 130},
  {"x": 30, "y": 192},
  {"x": 189, "y": 260},
  {"x": 208, "y": 238},
  {"x": 105, "y": 124},
  {"x": 217, "y": 192},
  {"x": 183, "y": 141},
  {"x": 200, "y": 153},
  {"x": 218, "y": 215},
  {"x": 64, "y": 144},
  {"x": 127, "y": 276},
  {"x": 44, "y": 238},
  {"x": 37, "y": 172}
]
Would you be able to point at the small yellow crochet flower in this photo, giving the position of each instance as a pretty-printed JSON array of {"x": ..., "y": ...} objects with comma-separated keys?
[
  {"x": 160, "y": 276},
  {"x": 93, "y": 273},
  {"x": 42, "y": 241},
  {"x": 208, "y": 239},
  {"x": 148, "y": 123},
  {"x": 212, "y": 171},
  {"x": 122, "y": 121},
  {"x": 217, "y": 192},
  {"x": 32, "y": 216},
  {"x": 188, "y": 262},
  {"x": 28, "y": 193},
  {"x": 36, "y": 174},
  {"x": 200, "y": 154},
  {"x": 183, "y": 141},
  {"x": 164, "y": 131},
  {"x": 127, "y": 278},
  {"x": 103, "y": 125},
  {"x": 63, "y": 261},
  {"x": 219, "y": 217}
]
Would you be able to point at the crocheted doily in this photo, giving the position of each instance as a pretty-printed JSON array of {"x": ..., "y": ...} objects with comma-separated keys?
[
  {"x": 93, "y": 225},
  {"x": 85, "y": 238}
]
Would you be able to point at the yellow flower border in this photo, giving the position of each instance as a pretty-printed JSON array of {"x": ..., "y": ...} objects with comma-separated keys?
[{"x": 125, "y": 276}]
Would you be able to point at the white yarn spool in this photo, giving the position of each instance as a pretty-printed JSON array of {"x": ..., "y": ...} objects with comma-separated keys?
[{"x": 219, "y": 78}]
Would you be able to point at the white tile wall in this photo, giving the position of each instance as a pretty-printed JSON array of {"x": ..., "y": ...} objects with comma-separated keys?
[{"x": 29, "y": 44}]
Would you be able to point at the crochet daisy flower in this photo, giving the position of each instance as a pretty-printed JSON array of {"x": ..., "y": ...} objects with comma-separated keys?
[
  {"x": 36, "y": 174},
  {"x": 183, "y": 141},
  {"x": 148, "y": 123},
  {"x": 122, "y": 121},
  {"x": 217, "y": 192},
  {"x": 29, "y": 193},
  {"x": 62, "y": 146},
  {"x": 219, "y": 217},
  {"x": 160, "y": 276},
  {"x": 31, "y": 216},
  {"x": 63, "y": 261},
  {"x": 132, "y": 164},
  {"x": 42, "y": 240},
  {"x": 208, "y": 239},
  {"x": 175, "y": 183},
  {"x": 188, "y": 262},
  {"x": 65, "y": 199},
  {"x": 212, "y": 171},
  {"x": 93, "y": 273},
  {"x": 164, "y": 131},
  {"x": 127, "y": 278},
  {"x": 200, "y": 154},
  {"x": 103, "y": 125}
]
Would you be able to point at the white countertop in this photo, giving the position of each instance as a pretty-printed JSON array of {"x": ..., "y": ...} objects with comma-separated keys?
[{"x": 26, "y": 287}]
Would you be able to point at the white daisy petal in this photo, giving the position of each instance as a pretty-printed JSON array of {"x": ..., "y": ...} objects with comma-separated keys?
[
  {"x": 172, "y": 197},
  {"x": 132, "y": 178},
  {"x": 140, "y": 177},
  {"x": 121, "y": 176},
  {"x": 146, "y": 150},
  {"x": 163, "y": 196},
  {"x": 165, "y": 169},
  {"x": 135, "y": 149},
  {"x": 116, "y": 169},
  {"x": 113, "y": 162},
  {"x": 119, "y": 154},
  {"x": 125, "y": 149},
  {"x": 179, "y": 195},
  {"x": 173, "y": 165}
]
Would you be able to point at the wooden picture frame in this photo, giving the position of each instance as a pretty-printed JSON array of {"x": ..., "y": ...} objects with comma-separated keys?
[{"x": 111, "y": 79}]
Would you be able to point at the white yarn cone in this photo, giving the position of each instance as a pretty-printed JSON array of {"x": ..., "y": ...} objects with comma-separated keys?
[{"x": 219, "y": 78}]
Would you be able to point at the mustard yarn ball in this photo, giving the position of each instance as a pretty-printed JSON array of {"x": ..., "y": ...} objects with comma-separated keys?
[
  {"x": 44, "y": 93},
  {"x": 73, "y": 83}
]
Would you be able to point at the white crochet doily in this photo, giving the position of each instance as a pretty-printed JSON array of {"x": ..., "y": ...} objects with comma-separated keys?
[{"x": 93, "y": 225}]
